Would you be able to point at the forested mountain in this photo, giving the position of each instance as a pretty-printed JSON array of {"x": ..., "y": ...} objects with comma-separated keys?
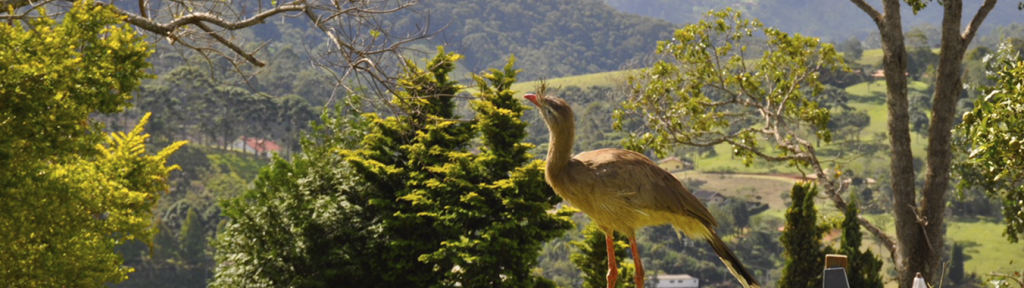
[
  {"x": 550, "y": 38},
  {"x": 831, "y": 20}
]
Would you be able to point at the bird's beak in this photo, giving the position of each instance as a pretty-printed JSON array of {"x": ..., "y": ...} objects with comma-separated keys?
[{"x": 532, "y": 98}]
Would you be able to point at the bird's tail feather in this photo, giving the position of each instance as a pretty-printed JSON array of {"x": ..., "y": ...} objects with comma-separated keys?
[{"x": 732, "y": 262}]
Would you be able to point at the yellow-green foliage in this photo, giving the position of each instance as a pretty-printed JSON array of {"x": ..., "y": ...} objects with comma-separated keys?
[
  {"x": 69, "y": 195},
  {"x": 72, "y": 215}
]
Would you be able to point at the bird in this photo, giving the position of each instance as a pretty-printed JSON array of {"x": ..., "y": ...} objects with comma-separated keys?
[{"x": 623, "y": 191}]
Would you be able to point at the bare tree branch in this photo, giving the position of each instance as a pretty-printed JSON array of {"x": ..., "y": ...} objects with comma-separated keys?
[
  {"x": 201, "y": 17},
  {"x": 972, "y": 28},
  {"x": 372, "y": 62},
  {"x": 231, "y": 45},
  {"x": 877, "y": 17},
  {"x": 364, "y": 51},
  {"x": 889, "y": 243}
]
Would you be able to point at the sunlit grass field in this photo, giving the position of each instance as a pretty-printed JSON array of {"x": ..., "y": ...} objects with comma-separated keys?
[
  {"x": 986, "y": 248},
  {"x": 604, "y": 79}
]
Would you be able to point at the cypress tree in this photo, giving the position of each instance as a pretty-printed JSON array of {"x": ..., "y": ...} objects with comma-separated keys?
[
  {"x": 865, "y": 268},
  {"x": 802, "y": 240},
  {"x": 956, "y": 264},
  {"x": 192, "y": 239}
]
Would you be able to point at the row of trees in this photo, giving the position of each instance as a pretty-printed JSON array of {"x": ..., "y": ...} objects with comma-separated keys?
[{"x": 180, "y": 94}]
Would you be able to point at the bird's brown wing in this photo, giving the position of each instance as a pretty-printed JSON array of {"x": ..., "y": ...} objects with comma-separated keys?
[{"x": 644, "y": 184}]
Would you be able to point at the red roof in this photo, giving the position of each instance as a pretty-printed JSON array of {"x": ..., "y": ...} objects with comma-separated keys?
[{"x": 261, "y": 145}]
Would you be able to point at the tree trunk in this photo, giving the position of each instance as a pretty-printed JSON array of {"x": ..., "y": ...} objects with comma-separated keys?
[
  {"x": 948, "y": 88},
  {"x": 920, "y": 228},
  {"x": 901, "y": 157},
  {"x": 933, "y": 200}
]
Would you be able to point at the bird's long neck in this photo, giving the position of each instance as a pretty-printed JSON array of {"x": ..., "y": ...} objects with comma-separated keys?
[{"x": 560, "y": 145}]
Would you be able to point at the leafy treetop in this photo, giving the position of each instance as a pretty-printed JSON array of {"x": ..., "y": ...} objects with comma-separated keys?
[
  {"x": 991, "y": 136},
  {"x": 709, "y": 89}
]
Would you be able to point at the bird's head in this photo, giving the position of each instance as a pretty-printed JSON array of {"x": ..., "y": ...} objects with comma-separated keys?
[{"x": 555, "y": 111}]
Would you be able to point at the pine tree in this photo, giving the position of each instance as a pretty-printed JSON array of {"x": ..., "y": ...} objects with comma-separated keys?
[
  {"x": 165, "y": 246},
  {"x": 413, "y": 166},
  {"x": 865, "y": 268},
  {"x": 409, "y": 205},
  {"x": 450, "y": 216},
  {"x": 192, "y": 239},
  {"x": 956, "y": 264},
  {"x": 802, "y": 240},
  {"x": 509, "y": 189}
]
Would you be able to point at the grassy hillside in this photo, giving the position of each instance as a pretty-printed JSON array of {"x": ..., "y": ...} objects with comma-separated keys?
[
  {"x": 245, "y": 165},
  {"x": 751, "y": 187},
  {"x": 986, "y": 248},
  {"x": 603, "y": 79},
  {"x": 873, "y": 57}
]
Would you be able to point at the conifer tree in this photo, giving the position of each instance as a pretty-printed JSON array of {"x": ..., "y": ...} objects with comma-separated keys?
[
  {"x": 802, "y": 240},
  {"x": 410, "y": 205},
  {"x": 865, "y": 268},
  {"x": 509, "y": 188},
  {"x": 192, "y": 239},
  {"x": 412, "y": 165},
  {"x": 956, "y": 264},
  {"x": 165, "y": 246},
  {"x": 451, "y": 216}
]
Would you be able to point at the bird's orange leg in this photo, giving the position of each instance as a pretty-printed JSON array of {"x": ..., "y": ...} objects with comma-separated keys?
[
  {"x": 613, "y": 270},
  {"x": 639, "y": 275}
]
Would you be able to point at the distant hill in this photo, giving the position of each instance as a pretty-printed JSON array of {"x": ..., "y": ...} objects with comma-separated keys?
[
  {"x": 831, "y": 20},
  {"x": 550, "y": 38}
]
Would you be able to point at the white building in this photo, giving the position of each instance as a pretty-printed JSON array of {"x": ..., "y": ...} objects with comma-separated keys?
[{"x": 676, "y": 281}]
